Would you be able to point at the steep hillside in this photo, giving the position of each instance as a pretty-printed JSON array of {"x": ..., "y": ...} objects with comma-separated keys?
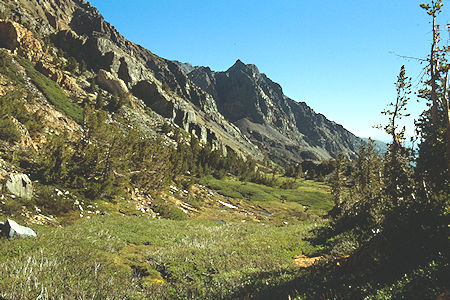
[
  {"x": 283, "y": 128},
  {"x": 241, "y": 108},
  {"x": 81, "y": 32}
]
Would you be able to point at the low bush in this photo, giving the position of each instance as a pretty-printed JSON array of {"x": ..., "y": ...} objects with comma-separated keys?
[
  {"x": 8, "y": 132},
  {"x": 9, "y": 69},
  {"x": 167, "y": 210}
]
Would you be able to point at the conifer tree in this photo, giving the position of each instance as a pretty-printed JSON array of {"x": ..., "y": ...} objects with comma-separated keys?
[
  {"x": 397, "y": 168},
  {"x": 433, "y": 127},
  {"x": 338, "y": 182},
  {"x": 368, "y": 173}
]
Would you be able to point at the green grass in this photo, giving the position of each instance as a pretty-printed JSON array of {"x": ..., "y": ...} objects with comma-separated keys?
[
  {"x": 309, "y": 193},
  {"x": 53, "y": 93},
  {"x": 9, "y": 69},
  {"x": 139, "y": 257}
]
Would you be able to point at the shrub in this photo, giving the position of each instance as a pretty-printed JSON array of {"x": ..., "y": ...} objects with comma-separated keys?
[
  {"x": 8, "y": 132},
  {"x": 51, "y": 203},
  {"x": 99, "y": 101},
  {"x": 168, "y": 211},
  {"x": 9, "y": 69},
  {"x": 117, "y": 101},
  {"x": 82, "y": 67},
  {"x": 72, "y": 65}
]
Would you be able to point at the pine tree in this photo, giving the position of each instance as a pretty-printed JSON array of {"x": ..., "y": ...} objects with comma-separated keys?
[
  {"x": 53, "y": 160},
  {"x": 338, "y": 183},
  {"x": 397, "y": 167},
  {"x": 433, "y": 127},
  {"x": 367, "y": 175},
  {"x": 72, "y": 65},
  {"x": 99, "y": 101}
]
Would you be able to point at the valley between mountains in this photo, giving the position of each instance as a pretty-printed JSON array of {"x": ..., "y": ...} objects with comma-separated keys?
[{"x": 146, "y": 178}]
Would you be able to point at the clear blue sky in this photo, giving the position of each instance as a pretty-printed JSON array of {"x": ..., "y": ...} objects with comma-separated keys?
[{"x": 334, "y": 55}]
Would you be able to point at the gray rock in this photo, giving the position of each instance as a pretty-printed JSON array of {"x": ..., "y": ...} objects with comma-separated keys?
[
  {"x": 287, "y": 130},
  {"x": 186, "y": 68},
  {"x": 20, "y": 185},
  {"x": 110, "y": 83},
  {"x": 80, "y": 30},
  {"x": 239, "y": 109},
  {"x": 12, "y": 229}
]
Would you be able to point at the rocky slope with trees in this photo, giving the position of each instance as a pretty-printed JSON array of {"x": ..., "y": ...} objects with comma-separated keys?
[{"x": 269, "y": 123}]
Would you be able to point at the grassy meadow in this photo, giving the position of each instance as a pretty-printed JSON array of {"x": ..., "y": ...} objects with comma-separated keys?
[
  {"x": 213, "y": 253},
  {"x": 312, "y": 194},
  {"x": 109, "y": 257}
]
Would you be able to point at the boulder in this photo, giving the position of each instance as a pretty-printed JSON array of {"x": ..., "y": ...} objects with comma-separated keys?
[
  {"x": 20, "y": 185},
  {"x": 12, "y": 229},
  {"x": 108, "y": 82}
]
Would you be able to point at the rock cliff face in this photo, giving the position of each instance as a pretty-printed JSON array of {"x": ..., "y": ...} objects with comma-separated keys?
[
  {"x": 20, "y": 40},
  {"x": 79, "y": 30},
  {"x": 239, "y": 109},
  {"x": 285, "y": 129}
]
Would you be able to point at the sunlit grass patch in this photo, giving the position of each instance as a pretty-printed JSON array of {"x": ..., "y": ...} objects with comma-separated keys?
[
  {"x": 135, "y": 257},
  {"x": 53, "y": 93},
  {"x": 306, "y": 192}
]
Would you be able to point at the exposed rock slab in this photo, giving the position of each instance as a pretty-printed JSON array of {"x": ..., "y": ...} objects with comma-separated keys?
[
  {"x": 20, "y": 185},
  {"x": 283, "y": 128},
  {"x": 12, "y": 229},
  {"x": 240, "y": 109},
  {"x": 111, "y": 83}
]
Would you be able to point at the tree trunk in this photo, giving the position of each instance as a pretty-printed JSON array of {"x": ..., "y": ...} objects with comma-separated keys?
[{"x": 446, "y": 108}]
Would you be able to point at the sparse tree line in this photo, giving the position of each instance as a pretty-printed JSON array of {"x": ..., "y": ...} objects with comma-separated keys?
[
  {"x": 394, "y": 208},
  {"x": 406, "y": 183},
  {"x": 107, "y": 159},
  {"x": 110, "y": 156}
]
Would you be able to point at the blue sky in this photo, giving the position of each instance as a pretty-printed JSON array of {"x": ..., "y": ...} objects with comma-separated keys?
[{"x": 337, "y": 56}]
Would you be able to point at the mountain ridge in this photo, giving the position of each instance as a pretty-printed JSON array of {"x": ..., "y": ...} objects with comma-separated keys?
[
  {"x": 270, "y": 119},
  {"x": 239, "y": 109}
]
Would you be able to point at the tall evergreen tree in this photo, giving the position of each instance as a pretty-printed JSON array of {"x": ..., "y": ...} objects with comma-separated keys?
[
  {"x": 338, "y": 182},
  {"x": 397, "y": 167},
  {"x": 367, "y": 175},
  {"x": 433, "y": 127}
]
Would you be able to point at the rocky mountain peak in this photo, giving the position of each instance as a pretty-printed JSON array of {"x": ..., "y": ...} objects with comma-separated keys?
[
  {"x": 239, "y": 66},
  {"x": 120, "y": 67},
  {"x": 284, "y": 129}
]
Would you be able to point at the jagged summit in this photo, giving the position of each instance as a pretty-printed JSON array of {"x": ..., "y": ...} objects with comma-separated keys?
[
  {"x": 185, "y": 67},
  {"x": 239, "y": 66},
  {"x": 284, "y": 129}
]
